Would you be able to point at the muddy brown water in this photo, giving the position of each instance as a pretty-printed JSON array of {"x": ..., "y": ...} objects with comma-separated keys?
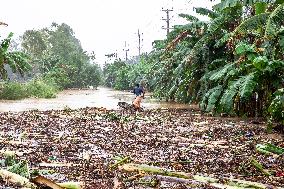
[{"x": 102, "y": 97}]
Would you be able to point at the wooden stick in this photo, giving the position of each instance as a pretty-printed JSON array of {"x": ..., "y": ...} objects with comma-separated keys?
[{"x": 186, "y": 177}]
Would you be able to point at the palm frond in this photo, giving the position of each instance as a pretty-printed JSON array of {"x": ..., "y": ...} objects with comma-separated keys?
[
  {"x": 180, "y": 37},
  {"x": 217, "y": 63},
  {"x": 216, "y": 24},
  {"x": 274, "y": 66},
  {"x": 206, "y": 12},
  {"x": 281, "y": 42},
  {"x": 232, "y": 3},
  {"x": 227, "y": 100},
  {"x": 223, "y": 40},
  {"x": 193, "y": 26},
  {"x": 211, "y": 98},
  {"x": 226, "y": 4},
  {"x": 275, "y": 21},
  {"x": 187, "y": 30},
  {"x": 199, "y": 46},
  {"x": 214, "y": 97},
  {"x": 252, "y": 23},
  {"x": 243, "y": 48},
  {"x": 189, "y": 17},
  {"x": 222, "y": 72},
  {"x": 247, "y": 86}
]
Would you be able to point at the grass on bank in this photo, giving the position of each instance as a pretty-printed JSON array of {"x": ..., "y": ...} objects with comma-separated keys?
[{"x": 35, "y": 88}]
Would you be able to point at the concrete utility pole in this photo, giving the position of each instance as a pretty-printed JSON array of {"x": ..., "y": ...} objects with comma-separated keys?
[
  {"x": 167, "y": 19},
  {"x": 139, "y": 42},
  {"x": 126, "y": 50}
]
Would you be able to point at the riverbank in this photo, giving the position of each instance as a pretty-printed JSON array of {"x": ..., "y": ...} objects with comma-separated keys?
[{"x": 82, "y": 145}]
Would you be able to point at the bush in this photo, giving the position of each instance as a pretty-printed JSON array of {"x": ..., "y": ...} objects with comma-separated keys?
[
  {"x": 39, "y": 88},
  {"x": 13, "y": 91},
  {"x": 34, "y": 88},
  {"x": 58, "y": 78}
]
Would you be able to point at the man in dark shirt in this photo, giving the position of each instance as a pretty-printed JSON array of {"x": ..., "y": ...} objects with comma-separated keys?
[{"x": 138, "y": 90}]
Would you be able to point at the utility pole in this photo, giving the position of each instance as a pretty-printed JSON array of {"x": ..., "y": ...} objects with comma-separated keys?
[
  {"x": 139, "y": 42},
  {"x": 167, "y": 19},
  {"x": 126, "y": 50}
]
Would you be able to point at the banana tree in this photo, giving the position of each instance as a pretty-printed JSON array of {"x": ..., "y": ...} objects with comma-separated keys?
[{"x": 18, "y": 61}]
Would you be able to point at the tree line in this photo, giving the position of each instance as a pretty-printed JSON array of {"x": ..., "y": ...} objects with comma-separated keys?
[{"x": 52, "y": 59}]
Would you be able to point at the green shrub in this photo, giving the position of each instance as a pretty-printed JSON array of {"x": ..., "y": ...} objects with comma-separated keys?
[
  {"x": 57, "y": 77},
  {"x": 13, "y": 91},
  {"x": 276, "y": 108},
  {"x": 41, "y": 89},
  {"x": 35, "y": 88}
]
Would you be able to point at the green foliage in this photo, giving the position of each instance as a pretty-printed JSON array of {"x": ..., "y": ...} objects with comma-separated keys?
[
  {"x": 57, "y": 55},
  {"x": 14, "y": 165},
  {"x": 216, "y": 24},
  {"x": 34, "y": 43},
  {"x": 34, "y": 88},
  {"x": 281, "y": 42},
  {"x": 274, "y": 21},
  {"x": 276, "y": 108},
  {"x": 123, "y": 76},
  {"x": 223, "y": 40},
  {"x": 260, "y": 7},
  {"x": 13, "y": 91},
  {"x": 58, "y": 77},
  {"x": 226, "y": 4},
  {"x": 189, "y": 17},
  {"x": 211, "y": 98},
  {"x": 247, "y": 86},
  {"x": 260, "y": 62},
  {"x": 18, "y": 61},
  {"x": 244, "y": 48},
  {"x": 222, "y": 72},
  {"x": 41, "y": 89},
  {"x": 20, "y": 168},
  {"x": 228, "y": 98},
  {"x": 206, "y": 12},
  {"x": 252, "y": 23},
  {"x": 90, "y": 75}
]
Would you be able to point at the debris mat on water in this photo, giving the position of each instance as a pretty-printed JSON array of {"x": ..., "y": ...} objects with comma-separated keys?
[{"x": 91, "y": 145}]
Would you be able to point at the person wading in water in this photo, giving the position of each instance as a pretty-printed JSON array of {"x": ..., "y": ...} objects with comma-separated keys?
[{"x": 139, "y": 92}]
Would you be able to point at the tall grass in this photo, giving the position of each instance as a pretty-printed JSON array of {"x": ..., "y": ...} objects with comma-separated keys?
[
  {"x": 13, "y": 91},
  {"x": 35, "y": 88}
]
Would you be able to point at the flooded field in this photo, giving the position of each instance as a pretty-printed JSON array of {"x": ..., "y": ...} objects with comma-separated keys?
[{"x": 102, "y": 97}]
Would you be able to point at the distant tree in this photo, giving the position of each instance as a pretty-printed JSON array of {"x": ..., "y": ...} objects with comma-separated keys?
[{"x": 59, "y": 55}]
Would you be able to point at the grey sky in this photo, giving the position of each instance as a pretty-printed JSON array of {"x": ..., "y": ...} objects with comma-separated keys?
[{"x": 102, "y": 26}]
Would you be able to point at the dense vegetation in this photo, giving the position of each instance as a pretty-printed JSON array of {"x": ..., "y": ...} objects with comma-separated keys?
[
  {"x": 232, "y": 63},
  {"x": 57, "y": 54},
  {"x": 52, "y": 59},
  {"x": 121, "y": 75}
]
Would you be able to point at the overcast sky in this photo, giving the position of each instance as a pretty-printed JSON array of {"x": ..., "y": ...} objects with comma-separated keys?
[{"x": 102, "y": 26}]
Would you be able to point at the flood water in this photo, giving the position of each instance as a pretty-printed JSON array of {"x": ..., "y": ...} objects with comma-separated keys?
[{"x": 102, "y": 97}]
